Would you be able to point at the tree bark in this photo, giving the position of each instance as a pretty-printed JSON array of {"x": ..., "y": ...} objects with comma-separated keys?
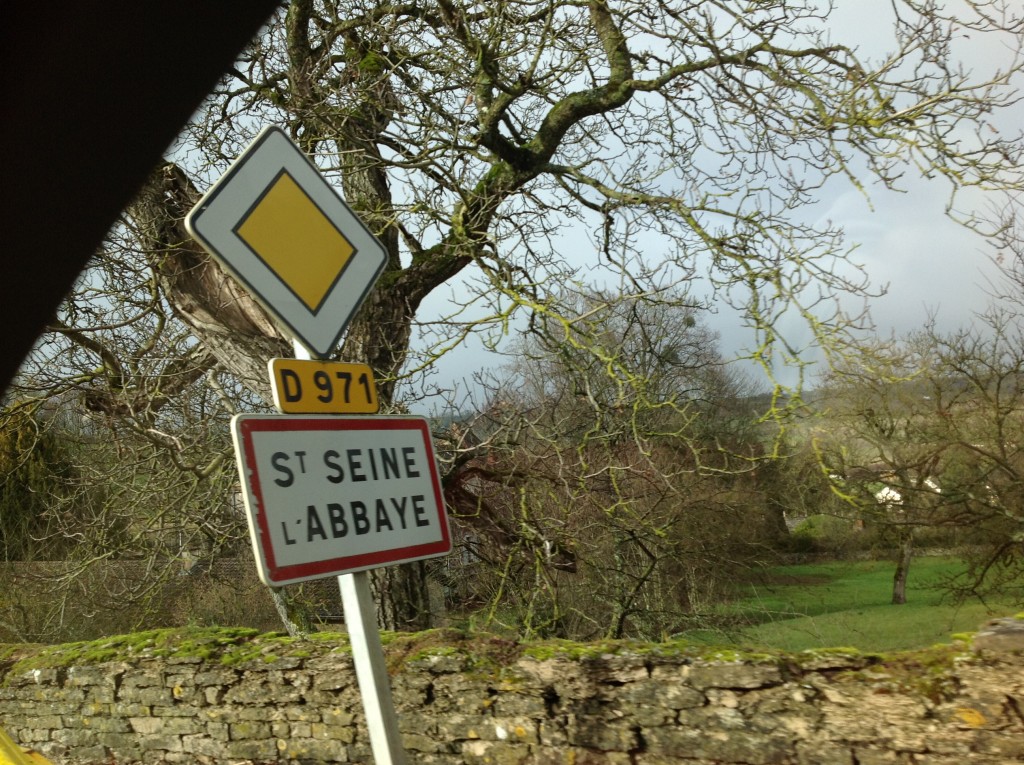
[
  {"x": 403, "y": 600},
  {"x": 295, "y": 618},
  {"x": 899, "y": 580},
  {"x": 221, "y": 313},
  {"x": 230, "y": 324}
]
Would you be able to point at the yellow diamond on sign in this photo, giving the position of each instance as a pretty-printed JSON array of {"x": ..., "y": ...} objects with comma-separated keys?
[
  {"x": 277, "y": 225},
  {"x": 285, "y": 220}
]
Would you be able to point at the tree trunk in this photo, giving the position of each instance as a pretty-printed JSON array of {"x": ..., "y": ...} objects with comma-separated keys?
[
  {"x": 294, "y": 617},
  {"x": 899, "y": 580},
  {"x": 403, "y": 601},
  {"x": 229, "y": 323}
]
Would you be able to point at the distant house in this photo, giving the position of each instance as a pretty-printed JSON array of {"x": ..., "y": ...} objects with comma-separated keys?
[{"x": 890, "y": 497}]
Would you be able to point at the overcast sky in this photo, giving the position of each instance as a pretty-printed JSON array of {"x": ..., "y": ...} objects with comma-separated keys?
[{"x": 929, "y": 264}]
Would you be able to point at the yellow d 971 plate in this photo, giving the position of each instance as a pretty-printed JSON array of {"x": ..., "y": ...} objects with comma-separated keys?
[{"x": 322, "y": 387}]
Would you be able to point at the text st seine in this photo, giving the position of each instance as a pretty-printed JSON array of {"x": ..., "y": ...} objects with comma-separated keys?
[{"x": 351, "y": 466}]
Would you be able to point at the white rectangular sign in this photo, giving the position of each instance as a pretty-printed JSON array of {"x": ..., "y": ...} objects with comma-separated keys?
[{"x": 330, "y": 495}]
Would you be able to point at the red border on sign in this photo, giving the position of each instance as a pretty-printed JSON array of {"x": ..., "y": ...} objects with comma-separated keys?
[{"x": 279, "y": 575}]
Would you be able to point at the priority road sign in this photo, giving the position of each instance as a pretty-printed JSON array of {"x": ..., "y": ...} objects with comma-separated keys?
[
  {"x": 328, "y": 495},
  {"x": 283, "y": 231}
]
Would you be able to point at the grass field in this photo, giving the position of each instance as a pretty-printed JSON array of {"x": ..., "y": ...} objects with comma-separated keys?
[{"x": 848, "y": 604}]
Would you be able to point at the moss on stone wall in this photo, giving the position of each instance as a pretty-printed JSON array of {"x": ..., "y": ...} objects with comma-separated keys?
[
  {"x": 223, "y": 645},
  {"x": 234, "y": 695},
  {"x": 230, "y": 646}
]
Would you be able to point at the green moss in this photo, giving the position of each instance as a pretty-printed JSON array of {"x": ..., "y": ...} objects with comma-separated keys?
[
  {"x": 245, "y": 654},
  {"x": 373, "y": 64},
  {"x": 227, "y": 646},
  {"x": 567, "y": 649},
  {"x": 843, "y": 652},
  {"x": 12, "y": 652},
  {"x": 479, "y": 653},
  {"x": 272, "y": 647},
  {"x": 927, "y": 672},
  {"x": 573, "y": 651},
  {"x": 735, "y": 656}
]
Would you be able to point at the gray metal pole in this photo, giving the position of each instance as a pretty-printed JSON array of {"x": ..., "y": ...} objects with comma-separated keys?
[{"x": 368, "y": 657}]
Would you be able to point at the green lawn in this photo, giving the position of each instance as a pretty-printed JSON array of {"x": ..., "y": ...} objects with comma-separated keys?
[{"x": 848, "y": 604}]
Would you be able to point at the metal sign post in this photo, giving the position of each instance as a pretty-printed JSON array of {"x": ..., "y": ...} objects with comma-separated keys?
[
  {"x": 368, "y": 657},
  {"x": 371, "y": 670}
]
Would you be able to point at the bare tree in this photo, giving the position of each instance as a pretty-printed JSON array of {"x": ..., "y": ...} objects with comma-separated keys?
[
  {"x": 128, "y": 415},
  {"x": 885, "y": 448},
  {"x": 674, "y": 137},
  {"x": 931, "y": 431},
  {"x": 608, "y": 486},
  {"x": 974, "y": 378}
]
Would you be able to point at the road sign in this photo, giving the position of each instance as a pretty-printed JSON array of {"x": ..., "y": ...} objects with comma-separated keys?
[
  {"x": 276, "y": 224},
  {"x": 322, "y": 387},
  {"x": 330, "y": 495}
]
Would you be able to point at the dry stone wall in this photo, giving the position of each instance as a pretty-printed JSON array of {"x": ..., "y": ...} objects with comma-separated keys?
[{"x": 219, "y": 698}]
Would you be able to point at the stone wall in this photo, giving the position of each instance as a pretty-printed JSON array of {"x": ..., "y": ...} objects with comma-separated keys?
[{"x": 237, "y": 697}]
